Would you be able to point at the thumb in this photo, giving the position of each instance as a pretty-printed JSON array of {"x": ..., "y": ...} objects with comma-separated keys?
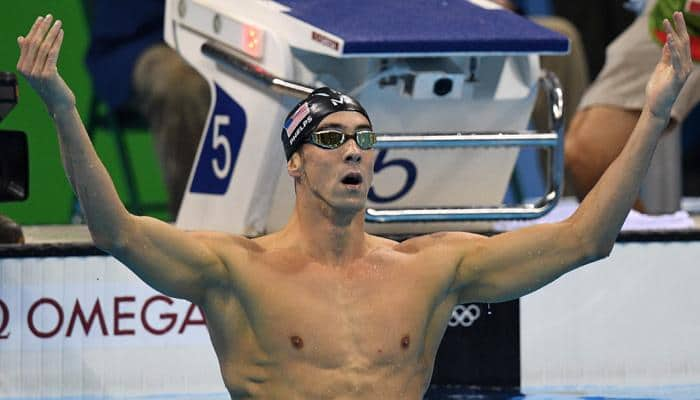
[{"x": 666, "y": 54}]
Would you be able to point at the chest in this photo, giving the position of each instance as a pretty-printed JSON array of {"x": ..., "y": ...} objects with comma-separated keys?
[{"x": 363, "y": 317}]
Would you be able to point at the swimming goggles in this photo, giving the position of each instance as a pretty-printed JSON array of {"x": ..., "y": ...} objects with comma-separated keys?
[{"x": 333, "y": 138}]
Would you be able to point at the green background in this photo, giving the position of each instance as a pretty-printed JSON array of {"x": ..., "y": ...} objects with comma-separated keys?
[{"x": 50, "y": 197}]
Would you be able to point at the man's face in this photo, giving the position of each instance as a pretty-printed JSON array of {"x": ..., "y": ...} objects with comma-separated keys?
[{"x": 339, "y": 177}]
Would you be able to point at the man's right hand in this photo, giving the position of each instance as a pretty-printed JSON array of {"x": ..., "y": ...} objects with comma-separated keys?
[{"x": 37, "y": 63}]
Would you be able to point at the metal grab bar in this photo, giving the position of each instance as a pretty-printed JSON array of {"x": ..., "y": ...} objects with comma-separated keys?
[
  {"x": 459, "y": 139},
  {"x": 443, "y": 214},
  {"x": 464, "y": 214},
  {"x": 555, "y": 94},
  {"x": 551, "y": 141},
  {"x": 229, "y": 57}
]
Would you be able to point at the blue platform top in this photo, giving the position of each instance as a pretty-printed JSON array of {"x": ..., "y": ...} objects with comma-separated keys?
[{"x": 425, "y": 26}]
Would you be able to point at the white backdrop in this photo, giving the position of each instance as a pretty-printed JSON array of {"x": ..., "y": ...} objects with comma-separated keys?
[
  {"x": 630, "y": 320},
  {"x": 138, "y": 342}
]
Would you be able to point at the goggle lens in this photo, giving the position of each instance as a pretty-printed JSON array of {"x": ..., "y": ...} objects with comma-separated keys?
[
  {"x": 332, "y": 139},
  {"x": 365, "y": 139}
]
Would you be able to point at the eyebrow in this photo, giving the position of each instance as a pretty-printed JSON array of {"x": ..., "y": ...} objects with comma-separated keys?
[{"x": 342, "y": 127}]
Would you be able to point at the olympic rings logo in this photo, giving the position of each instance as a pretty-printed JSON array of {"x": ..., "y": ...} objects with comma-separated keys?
[{"x": 464, "y": 315}]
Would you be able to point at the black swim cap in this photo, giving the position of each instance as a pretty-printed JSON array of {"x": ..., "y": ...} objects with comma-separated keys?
[{"x": 308, "y": 113}]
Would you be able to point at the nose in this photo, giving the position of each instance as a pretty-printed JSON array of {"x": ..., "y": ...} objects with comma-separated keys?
[{"x": 352, "y": 152}]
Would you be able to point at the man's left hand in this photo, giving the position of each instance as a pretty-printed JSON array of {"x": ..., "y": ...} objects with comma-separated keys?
[{"x": 672, "y": 70}]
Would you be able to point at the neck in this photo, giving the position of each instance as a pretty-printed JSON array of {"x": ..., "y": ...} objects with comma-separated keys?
[{"x": 330, "y": 236}]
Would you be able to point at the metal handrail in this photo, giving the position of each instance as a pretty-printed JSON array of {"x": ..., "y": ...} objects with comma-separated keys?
[
  {"x": 230, "y": 57},
  {"x": 461, "y": 139},
  {"x": 551, "y": 141},
  {"x": 451, "y": 214}
]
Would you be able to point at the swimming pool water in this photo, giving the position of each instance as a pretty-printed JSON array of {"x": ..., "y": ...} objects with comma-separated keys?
[{"x": 680, "y": 392}]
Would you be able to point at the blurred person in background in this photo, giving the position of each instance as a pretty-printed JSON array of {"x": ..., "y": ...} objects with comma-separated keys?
[
  {"x": 133, "y": 70},
  {"x": 610, "y": 108},
  {"x": 10, "y": 231}
]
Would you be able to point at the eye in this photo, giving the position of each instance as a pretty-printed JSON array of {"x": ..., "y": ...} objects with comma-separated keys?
[
  {"x": 365, "y": 139},
  {"x": 329, "y": 138}
]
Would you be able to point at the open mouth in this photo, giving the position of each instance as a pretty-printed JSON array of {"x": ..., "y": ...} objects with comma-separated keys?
[{"x": 352, "y": 179}]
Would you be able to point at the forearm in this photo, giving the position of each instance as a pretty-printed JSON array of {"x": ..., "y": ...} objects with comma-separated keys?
[
  {"x": 103, "y": 210},
  {"x": 513, "y": 264},
  {"x": 603, "y": 211}
]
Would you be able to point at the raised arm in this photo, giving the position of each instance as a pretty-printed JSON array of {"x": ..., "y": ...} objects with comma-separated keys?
[
  {"x": 176, "y": 263},
  {"x": 513, "y": 264}
]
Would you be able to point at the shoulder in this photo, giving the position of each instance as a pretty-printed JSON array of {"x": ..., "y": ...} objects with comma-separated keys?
[
  {"x": 439, "y": 241},
  {"x": 226, "y": 242},
  {"x": 380, "y": 242},
  {"x": 445, "y": 249}
]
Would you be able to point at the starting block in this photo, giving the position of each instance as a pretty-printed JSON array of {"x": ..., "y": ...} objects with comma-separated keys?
[{"x": 449, "y": 87}]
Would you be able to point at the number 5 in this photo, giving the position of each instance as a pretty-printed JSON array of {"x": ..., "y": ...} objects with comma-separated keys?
[
  {"x": 399, "y": 162},
  {"x": 221, "y": 140}
]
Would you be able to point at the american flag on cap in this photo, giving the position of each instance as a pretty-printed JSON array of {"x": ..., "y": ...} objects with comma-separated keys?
[{"x": 292, "y": 122}]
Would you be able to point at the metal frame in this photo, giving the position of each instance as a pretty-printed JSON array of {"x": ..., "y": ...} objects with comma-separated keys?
[{"x": 551, "y": 141}]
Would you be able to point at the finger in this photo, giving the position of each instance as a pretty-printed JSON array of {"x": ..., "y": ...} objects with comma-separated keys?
[
  {"x": 46, "y": 45},
  {"x": 681, "y": 28},
  {"x": 668, "y": 28},
  {"x": 672, "y": 43},
  {"x": 20, "y": 40},
  {"x": 675, "y": 33},
  {"x": 37, "y": 37},
  {"x": 52, "y": 58},
  {"x": 25, "y": 43},
  {"x": 27, "y": 49},
  {"x": 35, "y": 27},
  {"x": 666, "y": 54},
  {"x": 682, "y": 33},
  {"x": 671, "y": 37}
]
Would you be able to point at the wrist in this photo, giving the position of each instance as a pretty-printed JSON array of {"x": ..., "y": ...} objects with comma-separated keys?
[
  {"x": 58, "y": 110},
  {"x": 658, "y": 116},
  {"x": 655, "y": 122}
]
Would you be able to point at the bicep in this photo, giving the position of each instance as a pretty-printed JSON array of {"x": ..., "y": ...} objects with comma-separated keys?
[
  {"x": 177, "y": 263},
  {"x": 513, "y": 264}
]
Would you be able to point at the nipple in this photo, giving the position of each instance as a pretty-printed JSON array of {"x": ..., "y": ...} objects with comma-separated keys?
[
  {"x": 297, "y": 343},
  {"x": 405, "y": 341}
]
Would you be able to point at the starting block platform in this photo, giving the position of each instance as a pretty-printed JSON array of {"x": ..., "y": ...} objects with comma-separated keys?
[
  {"x": 449, "y": 86},
  {"x": 369, "y": 28}
]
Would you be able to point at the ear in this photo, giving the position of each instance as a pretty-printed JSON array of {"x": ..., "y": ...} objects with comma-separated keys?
[{"x": 295, "y": 165}]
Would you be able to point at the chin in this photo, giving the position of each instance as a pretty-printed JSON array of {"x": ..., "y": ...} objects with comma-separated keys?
[{"x": 352, "y": 205}]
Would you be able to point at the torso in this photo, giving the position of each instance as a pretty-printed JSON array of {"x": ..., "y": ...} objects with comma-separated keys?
[{"x": 289, "y": 327}]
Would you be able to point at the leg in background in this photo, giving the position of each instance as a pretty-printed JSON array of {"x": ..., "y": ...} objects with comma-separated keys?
[
  {"x": 174, "y": 98},
  {"x": 595, "y": 137}
]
